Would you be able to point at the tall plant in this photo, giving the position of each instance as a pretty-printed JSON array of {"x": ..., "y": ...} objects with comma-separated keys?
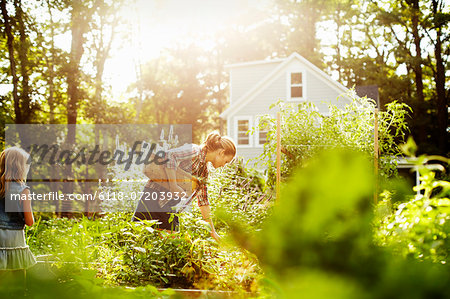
[
  {"x": 419, "y": 227},
  {"x": 305, "y": 132}
]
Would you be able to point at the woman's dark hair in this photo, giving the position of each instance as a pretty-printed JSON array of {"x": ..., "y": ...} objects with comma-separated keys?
[{"x": 214, "y": 142}]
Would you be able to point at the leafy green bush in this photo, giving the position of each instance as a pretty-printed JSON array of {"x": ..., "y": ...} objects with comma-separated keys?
[
  {"x": 136, "y": 254},
  {"x": 240, "y": 193},
  {"x": 305, "y": 132},
  {"x": 420, "y": 227},
  {"x": 318, "y": 242},
  {"x": 48, "y": 282}
]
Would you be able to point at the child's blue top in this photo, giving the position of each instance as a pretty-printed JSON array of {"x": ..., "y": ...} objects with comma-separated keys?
[{"x": 16, "y": 219}]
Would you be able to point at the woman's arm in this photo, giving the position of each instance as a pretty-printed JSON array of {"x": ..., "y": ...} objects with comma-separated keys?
[
  {"x": 174, "y": 157},
  {"x": 172, "y": 177},
  {"x": 27, "y": 211},
  {"x": 205, "y": 209},
  {"x": 206, "y": 213}
]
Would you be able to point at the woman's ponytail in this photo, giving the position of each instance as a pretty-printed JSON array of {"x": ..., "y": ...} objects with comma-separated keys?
[{"x": 214, "y": 142}]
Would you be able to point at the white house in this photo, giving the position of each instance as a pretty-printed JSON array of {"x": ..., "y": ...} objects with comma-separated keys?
[{"x": 254, "y": 86}]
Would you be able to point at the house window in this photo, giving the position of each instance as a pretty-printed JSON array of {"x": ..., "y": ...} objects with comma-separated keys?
[
  {"x": 262, "y": 128},
  {"x": 296, "y": 85},
  {"x": 242, "y": 136}
]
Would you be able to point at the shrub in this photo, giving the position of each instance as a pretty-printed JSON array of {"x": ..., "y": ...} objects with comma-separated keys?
[
  {"x": 318, "y": 243},
  {"x": 134, "y": 254},
  {"x": 420, "y": 227},
  {"x": 241, "y": 194},
  {"x": 305, "y": 132}
]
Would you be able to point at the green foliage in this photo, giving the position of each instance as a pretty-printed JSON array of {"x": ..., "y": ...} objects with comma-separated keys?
[
  {"x": 241, "y": 194},
  {"x": 135, "y": 254},
  {"x": 176, "y": 94},
  {"x": 420, "y": 227},
  {"x": 44, "y": 281},
  {"x": 318, "y": 241},
  {"x": 305, "y": 132},
  {"x": 369, "y": 50}
]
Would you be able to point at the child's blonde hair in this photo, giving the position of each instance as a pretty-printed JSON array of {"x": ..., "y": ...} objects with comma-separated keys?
[{"x": 13, "y": 167}]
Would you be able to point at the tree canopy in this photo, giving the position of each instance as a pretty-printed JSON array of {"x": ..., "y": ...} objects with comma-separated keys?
[{"x": 403, "y": 47}]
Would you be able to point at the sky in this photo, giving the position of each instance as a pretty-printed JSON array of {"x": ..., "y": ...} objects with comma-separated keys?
[{"x": 157, "y": 25}]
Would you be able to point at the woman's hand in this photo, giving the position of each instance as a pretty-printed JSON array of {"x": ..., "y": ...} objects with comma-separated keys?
[
  {"x": 215, "y": 236},
  {"x": 206, "y": 213}
]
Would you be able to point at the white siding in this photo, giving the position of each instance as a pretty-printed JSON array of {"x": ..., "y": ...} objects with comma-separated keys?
[
  {"x": 321, "y": 93},
  {"x": 249, "y": 153},
  {"x": 259, "y": 106},
  {"x": 243, "y": 78},
  {"x": 265, "y": 97},
  {"x": 316, "y": 90}
]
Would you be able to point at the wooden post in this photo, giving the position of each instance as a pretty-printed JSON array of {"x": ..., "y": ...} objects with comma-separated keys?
[
  {"x": 278, "y": 155},
  {"x": 375, "y": 158}
]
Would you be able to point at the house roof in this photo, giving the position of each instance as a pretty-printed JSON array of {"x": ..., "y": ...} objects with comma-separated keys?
[
  {"x": 249, "y": 63},
  {"x": 269, "y": 78}
]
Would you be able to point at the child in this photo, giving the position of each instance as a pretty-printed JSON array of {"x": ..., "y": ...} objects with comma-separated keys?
[{"x": 14, "y": 252}]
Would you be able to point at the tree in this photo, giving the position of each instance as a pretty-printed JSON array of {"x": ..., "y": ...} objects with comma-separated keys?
[
  {"x": 20, "y": 66},
  {"x": 12, "y": 61},
  {"x": 438, "y": 23},
  {"x": 103, "y": 30},
  {"x": 23, "y": 50},
  {"x": 396, "y": 54},
  {"x": 413, "y": 24},
  {"x": 81, "y": 14},
  {"x": 303, "y": 17},
  {"x": 174, "y": 92}
]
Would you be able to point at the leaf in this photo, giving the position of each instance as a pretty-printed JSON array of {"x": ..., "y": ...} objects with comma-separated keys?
[
  {"x": 128, "y": 234},
  {"x": 205, "y": 224},
  {"x": 140, "y": 249},
  {"x": 409, "y": 148},
  {"x": 164, "y": 279}
]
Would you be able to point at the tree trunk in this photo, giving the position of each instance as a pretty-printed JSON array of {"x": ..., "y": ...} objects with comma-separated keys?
[
  {"x": 441, "y": 105},
  {"x": 338, "y": 22},
  {"x": 24, "y": 64},
  {"x": 220, "y": 93},
  {"x": 308, "y": 21},
  {"x": 102, "y": 53},
  {"x": 417, "y": 67},
  {"x": 12, "y": 63},
  {"x": 311, "y": 41},
  {"x": 79, "y": 25},
  {"x": 73, "y": 75},
  {"x": 51, "y": 62}
]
